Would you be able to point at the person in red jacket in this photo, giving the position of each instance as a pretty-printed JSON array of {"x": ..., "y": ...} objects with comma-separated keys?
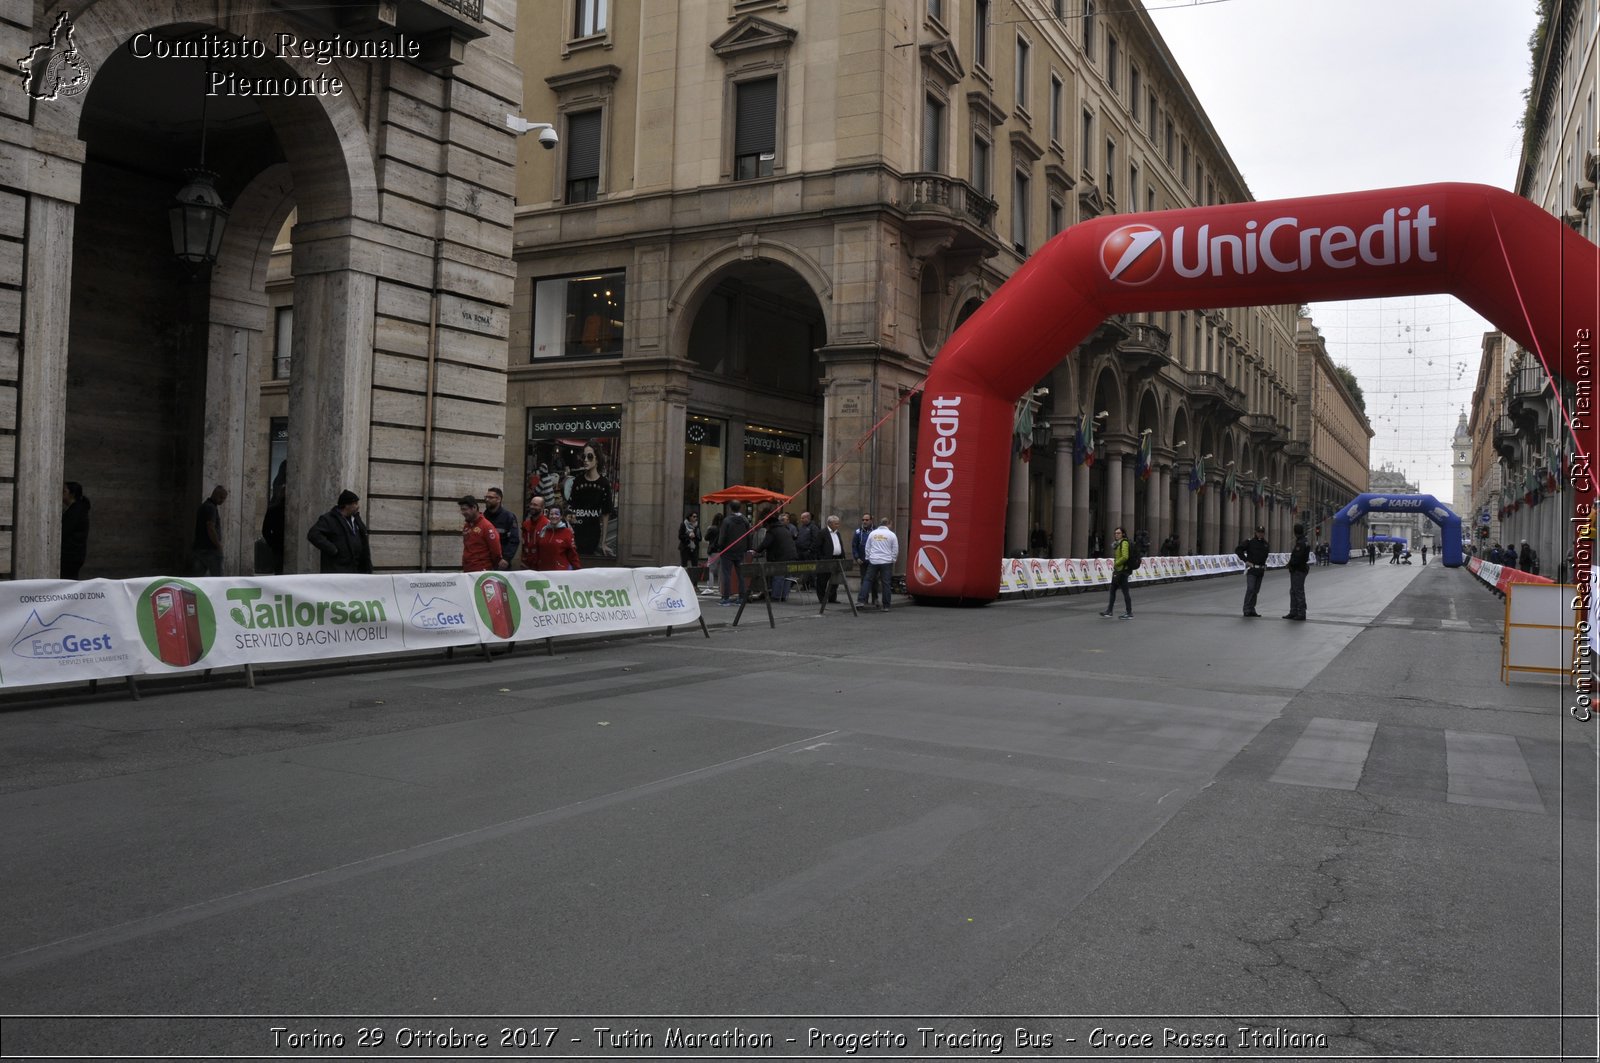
[
  {"x": 532, "y": 525},
  {"x": 480, "y": 542},
  {"x": 556, "y": 550}
]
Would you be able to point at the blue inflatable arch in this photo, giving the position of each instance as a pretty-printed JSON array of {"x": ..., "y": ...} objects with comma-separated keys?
[{"x": 1442, "y": 515}]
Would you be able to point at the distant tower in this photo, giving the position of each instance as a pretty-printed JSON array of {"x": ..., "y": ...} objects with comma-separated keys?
[{"x": 1461, "y": 465}]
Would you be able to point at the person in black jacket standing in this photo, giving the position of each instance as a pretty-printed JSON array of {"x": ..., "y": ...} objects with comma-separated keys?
[
  {"x": 505, "y": 522},
  {"x": 731, "y": 545},
  {"x": 340, "y": 535},
  {"x": 74, "y": 529},
  {"x": 1299, "y": 565},
  {"x": 1254, "y": 551}
]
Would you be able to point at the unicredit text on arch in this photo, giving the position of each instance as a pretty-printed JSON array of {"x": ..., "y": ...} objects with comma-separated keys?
[
  {"x": 940, "y": 474},
  {"x": 1283, "y": 246}
]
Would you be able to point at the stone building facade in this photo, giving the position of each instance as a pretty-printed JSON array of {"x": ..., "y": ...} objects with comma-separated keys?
[
  {"x": 1490, "y": 430},
  {"x": 381, "y": 133},
  {"x": 1558, "y": 170},
  {"x": 764, "y": 217},
  {"x": 1332, "y": 437}
]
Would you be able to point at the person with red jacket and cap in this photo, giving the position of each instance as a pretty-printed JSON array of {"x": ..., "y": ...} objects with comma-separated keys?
[
  {"x": 557, "y": 550},
  {"x": 480, "y": 541},
  {"x": 532, "y": 525}
]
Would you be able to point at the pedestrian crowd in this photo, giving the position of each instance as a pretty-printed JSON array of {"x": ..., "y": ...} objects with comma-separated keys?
[{"x": 545, "y": 539}]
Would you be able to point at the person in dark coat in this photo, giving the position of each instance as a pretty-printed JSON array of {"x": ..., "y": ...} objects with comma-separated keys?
[
  {"x": 340, "y": 535},
  {"x": 505, "y": 522},
  {"x": 779, "y": 548},
  {"x": 74, "y": 529},
  {"x": 1299, "y": 565},
  {"x": 689, "y": 544},
  {"x": 1528, "y": 561},
  {"x": 272, "y": 527}
]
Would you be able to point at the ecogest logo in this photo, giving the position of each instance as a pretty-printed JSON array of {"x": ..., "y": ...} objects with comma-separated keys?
[
  {"x": 436, "y": 614},
  {"x": 63, "y": 637},
  {"x": 1136, "y": 253},
  {"x": 662, "y": 597}
]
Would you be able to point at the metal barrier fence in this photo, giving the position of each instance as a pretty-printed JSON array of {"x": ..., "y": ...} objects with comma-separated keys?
[{"x": 755, "y": 582}]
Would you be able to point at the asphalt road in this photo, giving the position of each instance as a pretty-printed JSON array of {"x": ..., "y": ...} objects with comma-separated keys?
[{"x": 1346, "y": 828}]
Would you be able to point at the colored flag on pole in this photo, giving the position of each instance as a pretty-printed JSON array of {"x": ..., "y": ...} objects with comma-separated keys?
[
  {"x": 1144, "y": 461},
  {"x": 1231, "y": 486},
  {"x": 1083, "y": 441},
  {"x": 1197, "y": 475}
]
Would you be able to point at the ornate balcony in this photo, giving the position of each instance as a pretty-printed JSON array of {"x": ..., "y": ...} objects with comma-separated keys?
[
  {"x": 1298, "y": 450},
  {"x": 442, "y": 28},
  {"x": 1505, "y": 437},
  {"x": 1261, "y": 426},
  {"x": 1211, "y": 393},
  {"x": 947, "y": 215},
  {"x": 1527, "y": 395},
  {"x": 1143, "y": 351},
  {"x": 947, "y": 199}
]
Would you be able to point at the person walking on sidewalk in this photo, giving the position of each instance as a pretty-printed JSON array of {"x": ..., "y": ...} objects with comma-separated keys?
[
  {"x": 1120, "y": 548},
  {"x": 1299, "y": 565},
  {"x": 1254, "y": 553}
]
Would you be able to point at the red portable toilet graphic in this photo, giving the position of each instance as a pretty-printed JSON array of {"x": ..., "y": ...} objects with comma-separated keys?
[
  {"x": 494, "y": 602},
  {"x": 177, "y": 622}
]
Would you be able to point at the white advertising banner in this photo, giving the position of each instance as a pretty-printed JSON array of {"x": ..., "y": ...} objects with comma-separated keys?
[
  {"x": 60, "y": 631},
  {"x": 56, "y": 631},
  {"x": 1077, "y": 573}
]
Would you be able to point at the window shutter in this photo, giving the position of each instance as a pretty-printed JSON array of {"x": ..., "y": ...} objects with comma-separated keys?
[
  {"x": 932, "y": 134},
  {"x": 583, "y": 145},
  {"x": 756, "y": 116}
]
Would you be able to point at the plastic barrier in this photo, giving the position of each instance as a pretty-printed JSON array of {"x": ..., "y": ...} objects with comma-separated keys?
[{"x": 60, "y": 631}]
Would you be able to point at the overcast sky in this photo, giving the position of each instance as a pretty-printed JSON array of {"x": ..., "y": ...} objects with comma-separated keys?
[{"x": 1319, "y": 96}]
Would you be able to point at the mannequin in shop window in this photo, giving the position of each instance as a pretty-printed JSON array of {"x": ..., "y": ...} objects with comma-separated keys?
[{"x": 591, "y": 503}]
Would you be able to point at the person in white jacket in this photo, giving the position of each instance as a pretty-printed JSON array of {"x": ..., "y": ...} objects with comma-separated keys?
[{"x": 882, "y": 548}]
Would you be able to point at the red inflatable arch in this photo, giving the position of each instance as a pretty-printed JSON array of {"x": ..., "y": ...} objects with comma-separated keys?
[{"x": 1513, "y": 263}]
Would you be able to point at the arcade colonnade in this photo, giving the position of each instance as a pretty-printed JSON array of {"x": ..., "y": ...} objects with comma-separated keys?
[{"x": 121, "y": 370}]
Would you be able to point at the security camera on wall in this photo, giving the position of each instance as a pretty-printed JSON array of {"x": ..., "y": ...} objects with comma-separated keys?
[{"x": 547, "y": 132}]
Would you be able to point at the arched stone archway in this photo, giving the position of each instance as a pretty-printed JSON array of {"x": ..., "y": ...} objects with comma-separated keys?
[{"x": 371, "y": 270}]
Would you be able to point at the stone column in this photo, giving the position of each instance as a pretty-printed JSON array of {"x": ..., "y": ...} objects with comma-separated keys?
[
  {"x": 1065, "y": 527},
  {"x": 1206, "y": 535},
  {"x": 1113, "y": 507},
  {"x": 655, "y": 418},
  {"x": 1017, "y": 507},
  {"x": 1080, "y": 511},
  {"x": 1130, "y": 496},
  {"x": 41, "y": 396},
  {"x": 1154, "y": 496},
  {"x": 330, "y": 394},
  {"x": 232, "y": 404}
]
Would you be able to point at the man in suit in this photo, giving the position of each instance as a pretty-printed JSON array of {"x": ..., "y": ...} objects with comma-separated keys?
[{"x": 830, "y": 551}]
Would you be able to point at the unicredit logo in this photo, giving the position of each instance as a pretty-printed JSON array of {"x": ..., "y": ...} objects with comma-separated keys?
[
  {"x": 932, "y": 566},
  {"x": 1133, "y": 254}
]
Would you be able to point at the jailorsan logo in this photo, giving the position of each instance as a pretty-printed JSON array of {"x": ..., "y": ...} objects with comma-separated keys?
[
  {"x": 1133, "y": 254},
  {"x": 497, "y": 606},
  {"x": 176, "y": 622}
]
